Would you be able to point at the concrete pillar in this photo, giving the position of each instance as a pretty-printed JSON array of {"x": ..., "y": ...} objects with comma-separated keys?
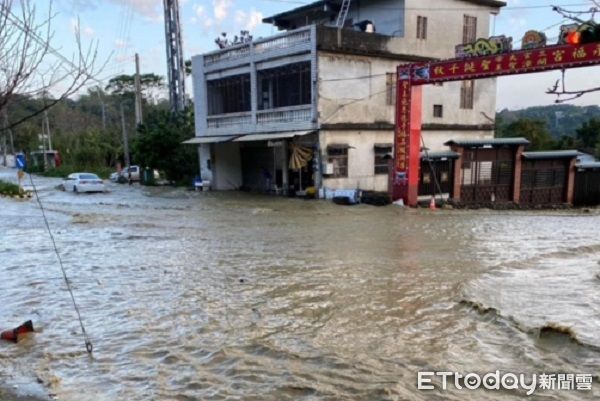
[
  {"x": 285, "y": 167},
  {"x": 414, "y": 160},
  {"x": 457, "y": 173},
  {"x": 517, "y": 173},
  {"x": 571, "y": 181}
]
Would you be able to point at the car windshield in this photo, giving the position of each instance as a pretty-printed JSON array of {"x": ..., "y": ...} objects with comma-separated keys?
[{"x": 89, "y": 177}]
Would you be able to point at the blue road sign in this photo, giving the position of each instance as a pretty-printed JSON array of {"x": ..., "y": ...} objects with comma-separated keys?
[{"x": 20, "y": 161}]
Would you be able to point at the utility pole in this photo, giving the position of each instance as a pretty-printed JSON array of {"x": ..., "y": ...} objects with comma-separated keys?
[
  {"x": 138, "y": 92},
  {"x": 103, "y": 106},
  {"x": 125, "y": 139},
  {"x": 10, "y": 133},
  {"x": 175, "y": 64},
  {"x": 48, "y": 130},
  {"x": 4, "y": 149},
  {"x": 44, "y": 142},
  {"x": 4, "y": 144}
]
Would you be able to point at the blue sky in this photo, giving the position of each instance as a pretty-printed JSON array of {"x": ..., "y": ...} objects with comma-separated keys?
[{"x": 124, "y": 27}]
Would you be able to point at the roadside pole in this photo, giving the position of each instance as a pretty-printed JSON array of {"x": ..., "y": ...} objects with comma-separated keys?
[
  {"x": 48, "y": 130},
  {"x": 44, "y": 145},
  {"x": 138, "y": 92},
  {"x": 125, "y": 139}
]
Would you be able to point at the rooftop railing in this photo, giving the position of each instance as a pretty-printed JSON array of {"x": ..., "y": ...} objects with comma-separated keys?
[{"x": 281, "y": 41}]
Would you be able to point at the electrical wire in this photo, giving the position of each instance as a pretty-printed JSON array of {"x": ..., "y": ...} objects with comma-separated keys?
[
  {"x": 88, "y": 343},
  {"x": 447, "y": 8}
]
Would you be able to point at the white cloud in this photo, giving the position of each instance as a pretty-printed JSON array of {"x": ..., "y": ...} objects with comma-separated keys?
[
  {"x": 150, "y": 9},
  {"x": 201, "y": 17},
  {"x": 248, "y": 20},
  {"x": 86, "y": 31},
  {"x": 221, "y": 9},
  {"x": 121, "y": 43},
  {"x": 199, "y": 10}
]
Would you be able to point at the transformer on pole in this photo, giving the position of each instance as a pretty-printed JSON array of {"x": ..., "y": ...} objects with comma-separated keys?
[{"x": 175, "y": 63}]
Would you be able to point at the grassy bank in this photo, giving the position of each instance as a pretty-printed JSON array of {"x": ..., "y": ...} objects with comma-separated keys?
[{"x": 9, "y": 189}]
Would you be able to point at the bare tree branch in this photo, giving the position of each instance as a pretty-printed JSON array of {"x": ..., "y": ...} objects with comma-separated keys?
[
  {"x": 563, "y": 91},
  {"x": 30, "y": 66}
]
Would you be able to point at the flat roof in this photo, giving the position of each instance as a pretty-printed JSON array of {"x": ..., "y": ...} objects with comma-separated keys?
[
  {"x": 321, "y": 4},
  {"x": 448, "y": 154},
  {"x": 552, "y": 154},
  {"x": 487, "y": 142},
  {"x": 589, "y": 165}
]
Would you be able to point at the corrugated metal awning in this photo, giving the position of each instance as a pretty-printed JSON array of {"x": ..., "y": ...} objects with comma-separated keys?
[
  {"x": 556, "y": 154},
  {"x": 589, "y": 165},
  {"x": 488, "y": 142},
  {"x": 439, "y": 155},
  {"x": 209, "y": 139},
  {"x": 270, "y": 136}
]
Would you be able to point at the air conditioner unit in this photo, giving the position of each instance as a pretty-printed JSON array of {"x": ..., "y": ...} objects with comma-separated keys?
[{"x": 328, "y": 168}]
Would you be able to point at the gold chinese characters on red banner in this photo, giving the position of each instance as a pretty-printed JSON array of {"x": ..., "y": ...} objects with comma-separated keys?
[
  {"x": 518, "y": 62},
  {"x": 402, "y": 122}
]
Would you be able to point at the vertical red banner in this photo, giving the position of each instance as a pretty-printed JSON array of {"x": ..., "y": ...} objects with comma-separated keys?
[{"x": 402, "y": 135}]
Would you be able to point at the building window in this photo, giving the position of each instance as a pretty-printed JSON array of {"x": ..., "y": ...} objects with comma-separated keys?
[
  {"x": 469, "y": 29},
  {"x": 228, "y": 95},
  {"x": 337, "y": 155},
  {"x": 467, "y": 91},
  {"x": 383, "y": 153},
  {"x": 285, "y": 86},
  {"x": 421, "y": 27},
  {"x": 438, "y": 110},
  {"x": 390, "y": 84}
]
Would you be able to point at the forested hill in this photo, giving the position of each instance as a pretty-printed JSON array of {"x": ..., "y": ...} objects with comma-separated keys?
[{"x": 560, "y": 120}]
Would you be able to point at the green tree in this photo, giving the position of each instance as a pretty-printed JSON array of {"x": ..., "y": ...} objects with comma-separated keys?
[
  {"x": 158, "y": 145},
  {"x": 124, "y": 85},
  {"x": 588, "y": 135},
  {"x": 534, "y": 130}
]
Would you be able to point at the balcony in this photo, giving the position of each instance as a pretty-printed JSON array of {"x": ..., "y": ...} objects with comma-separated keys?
[
  {"x": 297, "y": 41},
  {"x": 279, "y": 119}
]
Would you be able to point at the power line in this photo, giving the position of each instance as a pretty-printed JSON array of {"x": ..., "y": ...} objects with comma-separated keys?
[
  {"x": 88, "y": 343},
  {"x": 447, "y": 8}
]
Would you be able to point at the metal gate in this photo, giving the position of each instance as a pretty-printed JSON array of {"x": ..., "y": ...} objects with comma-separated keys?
[
  {"x": 436, "y": 169},
  {"x": 487, "y": 175},
  {"x": 544, "y": 182},
  {"x": 587, "y": 186}
]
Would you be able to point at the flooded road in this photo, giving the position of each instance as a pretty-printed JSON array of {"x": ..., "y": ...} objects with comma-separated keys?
[{"x": 212, "y": 296}]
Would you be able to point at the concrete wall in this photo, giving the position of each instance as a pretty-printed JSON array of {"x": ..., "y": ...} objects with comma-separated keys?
[
  {"x": 227, "y": 166},
  {"x": 206, "y": 163},
  {"x": 448, "y": 95},
  {"x": 352, "y": 89},
  {"x": 361, "y": 159},
  {"x": 444, "y": 25}
]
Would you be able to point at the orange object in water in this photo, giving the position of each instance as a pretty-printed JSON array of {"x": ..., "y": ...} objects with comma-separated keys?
[
  {"x": 432, "y": 204},
  {"x": 13, "y": 335}
]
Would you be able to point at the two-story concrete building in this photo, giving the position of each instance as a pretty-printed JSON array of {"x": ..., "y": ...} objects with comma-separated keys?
[{"x": 314, "y": 105}]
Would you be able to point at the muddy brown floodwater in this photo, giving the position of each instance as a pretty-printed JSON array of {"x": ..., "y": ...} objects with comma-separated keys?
[{"x": 214, "y": 296}]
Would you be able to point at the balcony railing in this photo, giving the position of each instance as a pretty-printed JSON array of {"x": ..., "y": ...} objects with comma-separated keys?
[
  {"x": 279, "y": 118},
  {"x": 291, "y": 114},
  {"x": 229, "y": 120},
  {"x": 281, "y": 41}
]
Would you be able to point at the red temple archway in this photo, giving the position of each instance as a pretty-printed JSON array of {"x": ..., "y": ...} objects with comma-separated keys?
[{"x": 411, "y": 78}]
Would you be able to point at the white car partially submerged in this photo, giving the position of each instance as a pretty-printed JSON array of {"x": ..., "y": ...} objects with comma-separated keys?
[{"x": 84, "y": 182}]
